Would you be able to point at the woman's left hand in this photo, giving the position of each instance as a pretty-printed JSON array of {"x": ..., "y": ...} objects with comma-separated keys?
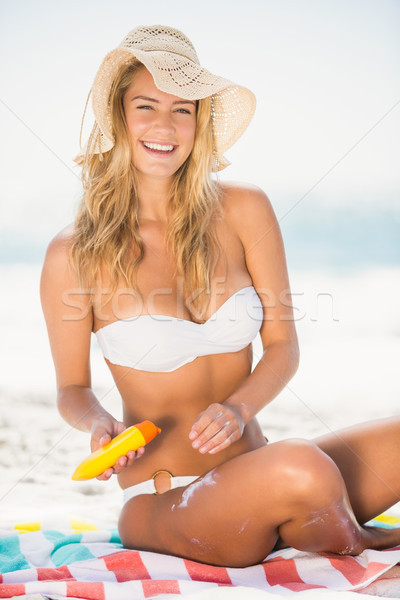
[{"x": 216, "y": 428}]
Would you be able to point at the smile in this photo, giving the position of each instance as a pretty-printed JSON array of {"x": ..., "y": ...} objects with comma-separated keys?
[{"x": 159, "y": 148}]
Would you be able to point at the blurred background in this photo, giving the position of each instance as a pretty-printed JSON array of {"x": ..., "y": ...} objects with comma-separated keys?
[{"x": 324, "y": 145}]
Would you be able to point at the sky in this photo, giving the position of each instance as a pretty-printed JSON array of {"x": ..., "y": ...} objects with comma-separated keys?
[{"x": 326, "y": 74}]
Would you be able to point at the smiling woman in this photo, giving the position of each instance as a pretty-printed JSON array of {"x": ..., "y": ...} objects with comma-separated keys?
[{"x": 196, "y": 269}]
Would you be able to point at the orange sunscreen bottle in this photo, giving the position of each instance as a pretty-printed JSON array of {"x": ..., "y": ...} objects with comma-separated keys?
[{"x": 131, "y": 439}]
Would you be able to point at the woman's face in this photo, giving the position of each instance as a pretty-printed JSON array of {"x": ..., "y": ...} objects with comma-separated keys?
[{"x": 161, "y": 127}]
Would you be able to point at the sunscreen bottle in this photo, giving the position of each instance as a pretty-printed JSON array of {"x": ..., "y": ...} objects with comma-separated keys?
[{"x": 131, "y": 439}]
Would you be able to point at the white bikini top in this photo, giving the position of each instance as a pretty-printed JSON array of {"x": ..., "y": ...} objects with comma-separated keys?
[{"x": 161, "y": 343}]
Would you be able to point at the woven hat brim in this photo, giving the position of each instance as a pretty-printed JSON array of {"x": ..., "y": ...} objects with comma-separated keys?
[{"x": 233, "y": 106}]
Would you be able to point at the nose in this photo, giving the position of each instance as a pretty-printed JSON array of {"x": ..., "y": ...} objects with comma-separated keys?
[{"x": 164, "y": 123}]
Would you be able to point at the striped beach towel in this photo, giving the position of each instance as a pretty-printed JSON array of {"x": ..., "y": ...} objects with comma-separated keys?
[{"x": 78, "y": 559}]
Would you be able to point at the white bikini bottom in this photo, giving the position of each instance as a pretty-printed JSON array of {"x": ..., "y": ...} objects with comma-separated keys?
[{"x": 148, "y": 487}]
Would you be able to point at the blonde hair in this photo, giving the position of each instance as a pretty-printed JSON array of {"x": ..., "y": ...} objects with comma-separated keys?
[{"x": 106, "y": 231}]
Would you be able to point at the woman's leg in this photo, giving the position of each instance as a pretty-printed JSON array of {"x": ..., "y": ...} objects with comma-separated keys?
[
  {"x": 368, "y": 457},
  {"x": 234, "y": 515}
]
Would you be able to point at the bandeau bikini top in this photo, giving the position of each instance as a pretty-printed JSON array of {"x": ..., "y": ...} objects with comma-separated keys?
[{"x": 161, "y": 343}]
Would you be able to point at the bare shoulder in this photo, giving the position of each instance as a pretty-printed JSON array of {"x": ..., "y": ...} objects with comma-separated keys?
[
  {"x": 61, "y": 242},
  {"x": 61, "y": 294},
  {"x": 59, "y": 247},
  {"x": 247, "y": 208},
  {"x": 57, "y": 262}
]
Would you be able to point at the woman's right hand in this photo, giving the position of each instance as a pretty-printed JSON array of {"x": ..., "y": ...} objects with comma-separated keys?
[{"x": 103, "y": 430}]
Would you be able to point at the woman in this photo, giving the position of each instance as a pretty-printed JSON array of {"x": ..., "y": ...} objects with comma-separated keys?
[{"x": 176, "y": 273}]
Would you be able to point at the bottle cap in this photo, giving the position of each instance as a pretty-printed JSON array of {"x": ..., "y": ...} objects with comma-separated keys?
[{"x": 148, "y": 430}]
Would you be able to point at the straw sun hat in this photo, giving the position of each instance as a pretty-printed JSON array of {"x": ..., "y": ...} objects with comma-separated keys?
[{"x": 172, "y": 60}]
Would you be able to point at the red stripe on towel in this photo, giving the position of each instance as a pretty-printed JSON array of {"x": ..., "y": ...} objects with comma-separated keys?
[
  {"x": 202, "y": 572},
  {"x": 90, "y": 590},
  {"x": 279, "y": 571},
  {"x": 166, "y": 586},
  {"x": 12, "y": 589},
  {"x": 58, "y": 574},
  {"x": 126, "y": 565},
  {"x": 352, "y": 570}
]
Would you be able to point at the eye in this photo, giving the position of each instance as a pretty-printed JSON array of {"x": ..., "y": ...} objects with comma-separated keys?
[
  {"x": 145, "y": 107},
  {"x": 184, "y": 111}
]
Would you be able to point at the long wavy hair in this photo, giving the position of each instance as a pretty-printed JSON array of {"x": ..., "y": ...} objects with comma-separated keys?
[{"x": 106, "y": 230}]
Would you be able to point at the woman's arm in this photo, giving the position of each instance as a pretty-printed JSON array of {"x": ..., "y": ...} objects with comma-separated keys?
[
  {"x": 69, "y": 320},
  {"x": 259, "y": 232},
  {"x": 251, "y": 214}
]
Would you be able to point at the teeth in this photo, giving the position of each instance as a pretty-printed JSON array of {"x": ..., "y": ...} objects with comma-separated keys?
[{"x": 158, "y": 147}]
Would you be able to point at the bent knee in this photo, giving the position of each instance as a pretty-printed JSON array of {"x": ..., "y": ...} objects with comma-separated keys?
[{"x": 306, "y": 473}]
